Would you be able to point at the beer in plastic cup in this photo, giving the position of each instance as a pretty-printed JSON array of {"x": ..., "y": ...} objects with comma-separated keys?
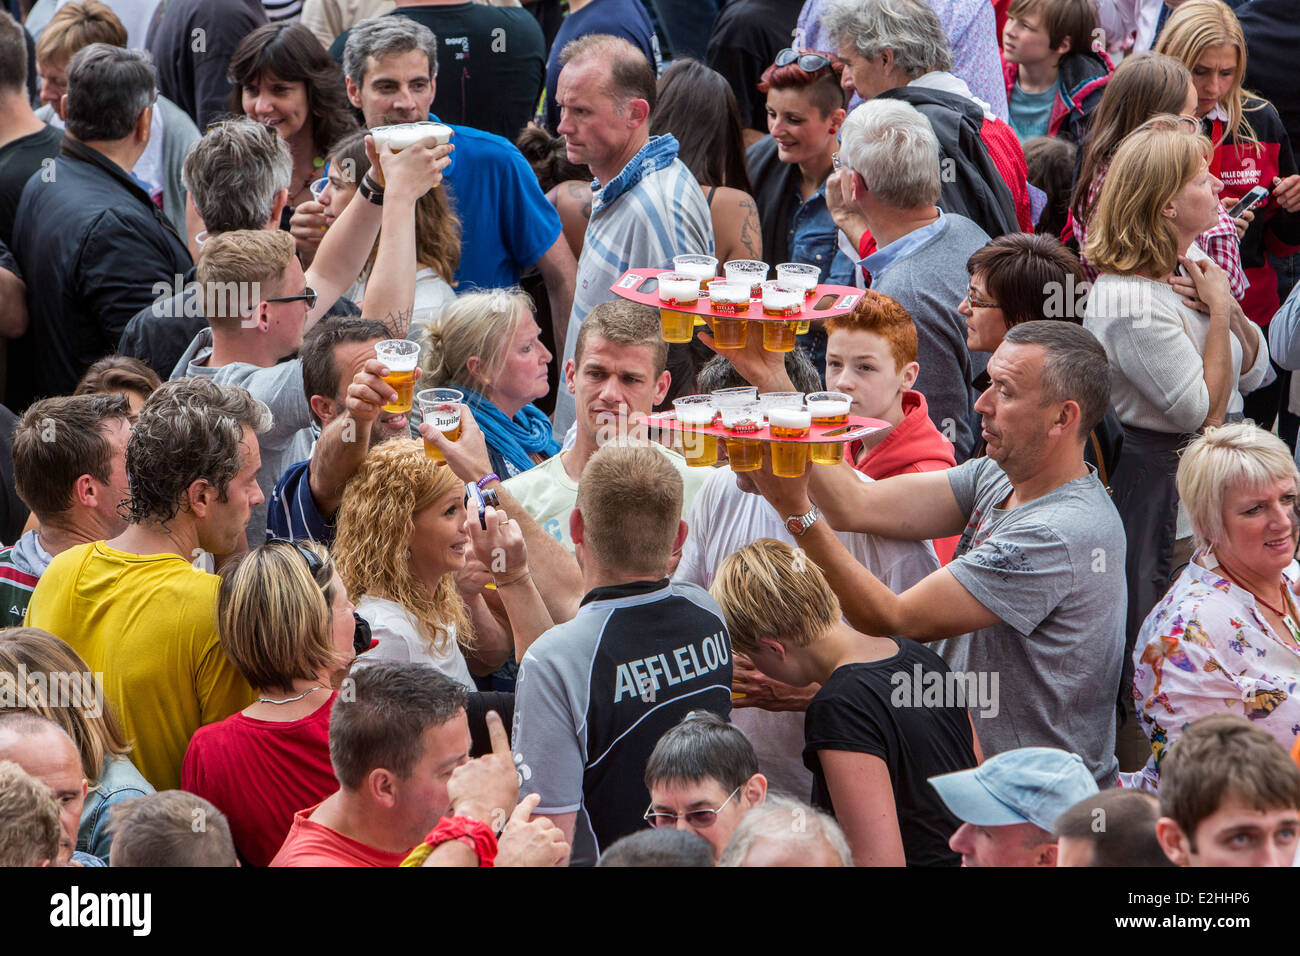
[
  {"x": 789, "y": 459},
  {"x": 701, "y": 267},
  {"x": 677, "y": 289},
  {"x": 781, "y": 300},
  {"x": 723, "y": 397},
  {"x": 726, "y": 296},
  {"x": 744, "y": 417},
  {"x": 700, "y": 450},
  {"x": 828, "y": 409},
  {"x": 402, "y": 135},
  {"x": 800, "y": 275},
  {"x": 441, "y": 409},
  {"x": 401, "y": 356},
  {"x": 750, "y": 271}
]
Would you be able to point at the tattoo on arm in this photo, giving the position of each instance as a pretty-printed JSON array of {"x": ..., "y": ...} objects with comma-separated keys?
[
  {"x": 750, "y": 233},
  {"x": 399, "y": 323}
]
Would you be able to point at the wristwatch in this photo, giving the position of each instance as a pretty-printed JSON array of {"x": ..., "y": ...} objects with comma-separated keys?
[{"x": 798, "y": 524}]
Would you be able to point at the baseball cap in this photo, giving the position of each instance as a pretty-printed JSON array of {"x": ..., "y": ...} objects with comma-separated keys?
[{"x": 1028, "y": 785}]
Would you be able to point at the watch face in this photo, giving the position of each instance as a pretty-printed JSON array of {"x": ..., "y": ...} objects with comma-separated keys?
[{"x": 794, "y": 526}]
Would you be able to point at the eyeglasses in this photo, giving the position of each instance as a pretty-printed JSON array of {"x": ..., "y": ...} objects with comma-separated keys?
[
  {"x": 978, "y": 301},
  {"x": 309, "y": 297},
  {"x": 808, "y": 62},
  {"x": 1191, "y": 123},
  {"x": 695, "y": 818}
]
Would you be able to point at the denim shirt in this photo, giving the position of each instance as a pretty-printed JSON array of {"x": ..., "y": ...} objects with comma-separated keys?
[
  {"x": 812, "y": 237},
  {"x": 119, "y": 781}
]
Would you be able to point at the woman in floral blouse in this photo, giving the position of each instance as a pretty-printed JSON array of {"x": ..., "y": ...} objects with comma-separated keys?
[{"x": 1226, "y": 638}]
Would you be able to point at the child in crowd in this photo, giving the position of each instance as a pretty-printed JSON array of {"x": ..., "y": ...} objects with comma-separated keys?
[
  {"x": 871, "y": 357},
  {"x": 1054, "y": 76}
]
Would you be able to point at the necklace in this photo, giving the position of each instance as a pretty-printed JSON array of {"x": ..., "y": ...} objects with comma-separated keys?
[
  {"x": 1287, "y": 617},
  {"x": 288, "y": 700}
]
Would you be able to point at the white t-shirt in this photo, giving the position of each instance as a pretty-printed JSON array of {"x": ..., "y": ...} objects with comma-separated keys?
[
  {"x": 724, "y": 519},
  {"x": 549, "y": 495},
  {"x": 400, "y": 640}
]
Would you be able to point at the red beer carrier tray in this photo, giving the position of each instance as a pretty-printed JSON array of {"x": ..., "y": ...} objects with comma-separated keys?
[
  {"x": 857, "y": 427},
  {"x": 827, "y": 301}
]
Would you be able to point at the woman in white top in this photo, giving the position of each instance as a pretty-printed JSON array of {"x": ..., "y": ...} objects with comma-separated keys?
[
  {"x": 437, "y": 231},
  {"x": 1178, "y": 364},
  {"x": 401, "y": 547}
]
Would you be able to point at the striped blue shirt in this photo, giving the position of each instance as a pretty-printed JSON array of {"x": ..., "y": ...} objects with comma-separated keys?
[{"x": 651, "y": 211}]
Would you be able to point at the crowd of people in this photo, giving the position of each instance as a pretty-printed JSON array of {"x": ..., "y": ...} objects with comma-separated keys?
[{"x": 251, "y": 578}]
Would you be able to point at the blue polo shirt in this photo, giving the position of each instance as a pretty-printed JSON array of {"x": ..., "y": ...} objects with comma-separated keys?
[{"x": 506, "y": 222}]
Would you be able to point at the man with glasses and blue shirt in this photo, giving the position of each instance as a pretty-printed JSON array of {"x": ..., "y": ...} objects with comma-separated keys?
[{"x": 703, "y": 777}]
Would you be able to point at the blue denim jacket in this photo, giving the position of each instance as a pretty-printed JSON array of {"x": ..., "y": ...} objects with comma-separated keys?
[
  {"x": 812, "y": 237},
  {"x": 119, "y": 781}
]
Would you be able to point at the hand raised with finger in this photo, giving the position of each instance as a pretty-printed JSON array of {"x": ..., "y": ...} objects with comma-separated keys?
[{"x": 487, "y": 788}]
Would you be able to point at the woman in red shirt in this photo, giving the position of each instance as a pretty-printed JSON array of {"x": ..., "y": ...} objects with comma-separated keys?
[{"x": 286, "y": 623}]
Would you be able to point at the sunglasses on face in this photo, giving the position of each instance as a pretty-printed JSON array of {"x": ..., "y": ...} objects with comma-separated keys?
[
  {"x": 808, "y": 62},
  {"x": 696, "y": 818},
  {"x": 309, "y": 297}
]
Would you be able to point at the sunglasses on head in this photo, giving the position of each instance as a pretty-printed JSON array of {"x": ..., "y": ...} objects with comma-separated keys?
[
  {"x": 808, "y": 62},
  {"x": 361, "y": 637}
]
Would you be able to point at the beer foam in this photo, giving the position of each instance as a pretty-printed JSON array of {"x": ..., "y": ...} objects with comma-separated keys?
[
  {"x": 696, "y": 414},
  {"x": 699, "y": 268},
  {"x": 674, "y": 287},
  {"x": 828, "y": 407},
  {"x": 782, "y": 298},
  {"x": 796, "y": 418},
  {"x": 798, "y": 275},
  {"x": 729, "y": 293},
  {"x": 403, "y": 135}
]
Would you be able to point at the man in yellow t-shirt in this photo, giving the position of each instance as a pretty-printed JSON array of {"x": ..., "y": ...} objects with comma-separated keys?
[{"x": 140, "y": 608}]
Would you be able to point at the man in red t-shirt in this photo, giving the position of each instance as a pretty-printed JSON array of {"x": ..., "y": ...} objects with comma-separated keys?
[{"x": 399, "y": 743}]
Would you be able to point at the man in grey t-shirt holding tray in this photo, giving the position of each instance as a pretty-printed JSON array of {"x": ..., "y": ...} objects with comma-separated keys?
[{"x": 1035, "y": 594}]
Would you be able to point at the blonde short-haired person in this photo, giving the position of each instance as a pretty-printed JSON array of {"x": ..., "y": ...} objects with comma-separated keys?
[
  {"x": 29, "y": 819},
  {"x": 401, "y": 547},
  {"x": 286, "y": 623},
  {"x": 488, "y": 346},
  {"x": 1227, "y": 635},
  {"x": 870, "y": 752},
  {"x": 1174, "y": 370},
  {"x": 597, "y": 692},
  {"x": 42, "y": 662}
]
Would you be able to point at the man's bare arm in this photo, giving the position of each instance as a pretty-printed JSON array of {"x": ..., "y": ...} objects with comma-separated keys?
[
  {"x": 344, "y": 442},
  {"x": 13, "y": 305},
  {"x": 913, "y": 507},
  {"x": 559, "y": 271},
  {"x": 935, "y": 608}
]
